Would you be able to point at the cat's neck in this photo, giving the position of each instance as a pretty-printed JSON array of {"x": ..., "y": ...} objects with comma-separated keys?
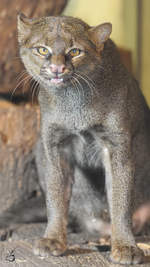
[{"x": 67, "y": 98}]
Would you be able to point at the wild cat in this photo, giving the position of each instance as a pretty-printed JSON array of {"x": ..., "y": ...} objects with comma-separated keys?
[{"x": 94, "y": 121}]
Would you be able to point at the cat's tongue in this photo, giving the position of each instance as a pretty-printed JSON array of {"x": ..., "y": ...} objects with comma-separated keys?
[{"x": 56, "y": 80}]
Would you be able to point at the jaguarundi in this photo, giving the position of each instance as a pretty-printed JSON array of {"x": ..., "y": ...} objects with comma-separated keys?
[{"x": 94, "y": 120}]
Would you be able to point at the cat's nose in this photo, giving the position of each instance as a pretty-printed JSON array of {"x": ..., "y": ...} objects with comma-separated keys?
[{"x": 57, "y": 68}]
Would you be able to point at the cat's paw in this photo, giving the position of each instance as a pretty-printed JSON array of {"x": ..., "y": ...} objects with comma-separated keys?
[
  {"x": 45, "y": 247},
  {"x": 127, "y": 255}
]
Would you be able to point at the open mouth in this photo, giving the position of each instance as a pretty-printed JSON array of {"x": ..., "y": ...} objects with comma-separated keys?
[{"x": 56, "y": 80}]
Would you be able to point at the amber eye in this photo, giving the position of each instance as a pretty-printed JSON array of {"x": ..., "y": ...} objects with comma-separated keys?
[
  {"x": 43, "y": 51},
  {"x": 74, "y": 52}
]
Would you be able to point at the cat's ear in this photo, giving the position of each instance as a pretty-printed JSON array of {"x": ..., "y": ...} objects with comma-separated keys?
[
  {"x": 24, "y": 27},
  {"x": 100, "y": 34}
]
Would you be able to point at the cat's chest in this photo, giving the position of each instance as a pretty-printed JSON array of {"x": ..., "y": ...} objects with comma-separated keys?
[
  {"x": 74, "y": 119},
  {"x": 73, "y": 110}
]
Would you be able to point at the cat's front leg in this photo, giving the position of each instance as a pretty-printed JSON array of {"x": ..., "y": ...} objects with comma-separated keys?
[
  {"x": 58, "y": 181},
  {"x": 124, "y": 248}
]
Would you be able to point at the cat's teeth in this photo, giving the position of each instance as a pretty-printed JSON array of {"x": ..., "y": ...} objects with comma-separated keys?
[{"x": 56, "y": 80}]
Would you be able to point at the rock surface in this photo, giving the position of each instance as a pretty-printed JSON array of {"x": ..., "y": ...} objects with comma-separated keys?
[
  {"x": 81, "y": 251},
  {"x": 19, "y": 128}
]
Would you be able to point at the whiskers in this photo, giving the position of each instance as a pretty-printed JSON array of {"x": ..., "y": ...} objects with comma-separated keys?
[
  {"x": 78, "y": 86},
  {"x": 79, "y": 78},
  {"x": 22, "y": 79},
  {"x": 35, "y": 89}
]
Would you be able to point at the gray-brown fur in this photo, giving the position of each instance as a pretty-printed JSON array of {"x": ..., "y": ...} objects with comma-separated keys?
[{"x": 94, "y": 119}]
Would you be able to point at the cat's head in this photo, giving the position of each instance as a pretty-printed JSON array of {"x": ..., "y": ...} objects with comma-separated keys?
[{"x": 58, "y": 50}]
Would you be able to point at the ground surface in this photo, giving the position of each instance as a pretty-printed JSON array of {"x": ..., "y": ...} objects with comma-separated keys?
[{"x": 17, "y": 250}]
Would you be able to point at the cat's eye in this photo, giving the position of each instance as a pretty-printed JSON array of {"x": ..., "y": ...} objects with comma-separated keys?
[
  {"x": 74, "y": 52},
  {"x": 43, "y": 51}
]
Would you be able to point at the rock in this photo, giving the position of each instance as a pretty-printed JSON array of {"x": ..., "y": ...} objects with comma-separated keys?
[{"x": 19, "y": 128}]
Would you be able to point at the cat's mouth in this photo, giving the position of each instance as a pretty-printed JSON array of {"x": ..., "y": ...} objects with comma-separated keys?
[{"x": 56, "y": 80}]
